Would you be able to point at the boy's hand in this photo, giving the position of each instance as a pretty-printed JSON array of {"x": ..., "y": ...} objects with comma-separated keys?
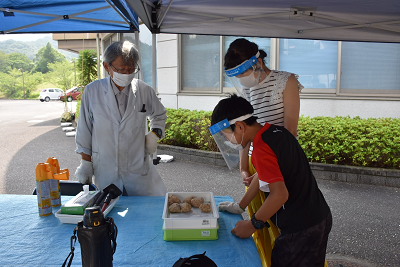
[
  {"x": 245, "y": 175},
  {"x": 247, "y": 180},
  {"x": 231, "y": 207},
  {"x": 243, "y": 229}
]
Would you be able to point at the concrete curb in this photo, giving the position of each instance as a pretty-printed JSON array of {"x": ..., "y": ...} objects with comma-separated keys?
[{"x": 340, "y": 173}]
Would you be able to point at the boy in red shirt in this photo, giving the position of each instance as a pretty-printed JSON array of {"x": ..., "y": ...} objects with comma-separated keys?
[{"x": 294, "y": 203}]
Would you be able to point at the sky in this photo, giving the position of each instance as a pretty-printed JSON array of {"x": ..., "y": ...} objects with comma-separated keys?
[{"x": 22, "y": 37}]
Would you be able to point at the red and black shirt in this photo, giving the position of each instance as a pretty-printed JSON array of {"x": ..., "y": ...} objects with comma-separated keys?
[{"x": 277, "y": 156}]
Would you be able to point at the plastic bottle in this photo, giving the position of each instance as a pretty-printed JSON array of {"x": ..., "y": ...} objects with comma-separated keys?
[
  {"x": 55, "y": 191},
  {"x": 43, "y": 175}
]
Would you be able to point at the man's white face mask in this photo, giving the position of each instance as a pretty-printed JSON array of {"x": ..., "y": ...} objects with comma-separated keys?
[{"x": 123, "y": 79}]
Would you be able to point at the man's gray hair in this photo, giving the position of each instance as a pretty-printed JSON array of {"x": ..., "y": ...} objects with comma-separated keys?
[{"x": 125, "y": 49}]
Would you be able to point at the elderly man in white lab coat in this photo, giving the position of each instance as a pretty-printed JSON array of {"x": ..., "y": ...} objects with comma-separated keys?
[{"x": 112, "y": 135}]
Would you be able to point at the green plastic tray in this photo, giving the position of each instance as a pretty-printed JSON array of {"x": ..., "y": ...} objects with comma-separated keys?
[{"x": 190, "y": 234}]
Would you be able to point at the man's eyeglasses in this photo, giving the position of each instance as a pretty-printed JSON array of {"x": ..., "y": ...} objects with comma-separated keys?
[{"x": 129, "y": 71}]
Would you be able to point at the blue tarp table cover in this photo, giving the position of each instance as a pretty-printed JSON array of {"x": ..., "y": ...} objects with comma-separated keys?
[{"x": 30, "y": 240}]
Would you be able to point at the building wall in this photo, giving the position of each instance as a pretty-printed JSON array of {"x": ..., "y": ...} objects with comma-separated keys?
[{"x": 168, "y": 60}]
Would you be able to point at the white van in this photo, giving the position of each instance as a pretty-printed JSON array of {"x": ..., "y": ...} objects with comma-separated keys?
[{"x": 50, "y": 94}]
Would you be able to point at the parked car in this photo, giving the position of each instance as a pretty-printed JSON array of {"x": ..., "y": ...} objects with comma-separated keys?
[
  {"x": 50, "y": 94},
  {"x": 72, "y": 94}
]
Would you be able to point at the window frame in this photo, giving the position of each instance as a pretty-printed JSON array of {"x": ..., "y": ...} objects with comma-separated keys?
[{"x": 338, "y": 92}]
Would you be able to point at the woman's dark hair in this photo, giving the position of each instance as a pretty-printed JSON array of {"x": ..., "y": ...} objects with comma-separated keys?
[
  {"x": 231, "y": 108},
  {"x": 240, "y": 50}
]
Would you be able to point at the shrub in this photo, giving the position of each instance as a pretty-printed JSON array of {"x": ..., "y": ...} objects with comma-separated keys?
[
  {"x": 339, "y": 140},
  {"x": 78, "y": 108},
  {"x": 351, "y": 141},
  {"x": 66, "y": 117},
  {"x": 189, "y": 129}
]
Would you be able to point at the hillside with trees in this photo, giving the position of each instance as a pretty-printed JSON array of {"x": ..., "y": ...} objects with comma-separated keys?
[
  {"x": 23, "y": 76},
  {"x": 30, "y": 48}
]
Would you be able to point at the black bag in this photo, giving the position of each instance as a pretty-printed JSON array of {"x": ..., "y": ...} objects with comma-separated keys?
[{"x": 198, "y": 260}]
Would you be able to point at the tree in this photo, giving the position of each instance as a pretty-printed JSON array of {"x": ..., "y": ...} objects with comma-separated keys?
[
  {"x": 11, "y": 84},
  {"x": 3, "y": 60},
  {"x": 62, "y": 74},
  {"x": 87, "y": 66},
  {"x": 46, "y": 55},
  {"x": 32, "y": 80},
  {"x": 19, "y": 61}
]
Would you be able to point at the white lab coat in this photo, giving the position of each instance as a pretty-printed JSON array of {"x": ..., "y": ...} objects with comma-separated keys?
[{"x": 117, "y": 145}]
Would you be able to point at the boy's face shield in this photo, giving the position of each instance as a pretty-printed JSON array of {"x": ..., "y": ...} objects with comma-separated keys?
[
  {"x": 245, "y": 75},
  {"x": 224, "y": 137},
  {"x": 226, "y": 140}
]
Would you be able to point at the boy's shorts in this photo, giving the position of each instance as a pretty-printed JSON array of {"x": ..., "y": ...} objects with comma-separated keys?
[{"x": 306, "y": 248}]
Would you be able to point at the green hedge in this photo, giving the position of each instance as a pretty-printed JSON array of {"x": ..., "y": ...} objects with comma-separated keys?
[
  {"x": 187, "y": 128},
  {"x": 78, "y": 108},
  {"x": 351, "y": 141},
  {"x": 339, "y": 140}
]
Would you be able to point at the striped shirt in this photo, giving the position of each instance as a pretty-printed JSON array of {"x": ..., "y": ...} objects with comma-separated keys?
[{"x": 267, "y": 98}]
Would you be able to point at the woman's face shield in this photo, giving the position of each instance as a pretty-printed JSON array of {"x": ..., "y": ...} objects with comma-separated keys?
[
  {"x": 245, "y": 75},
  {"x": 225, "y": 139}
]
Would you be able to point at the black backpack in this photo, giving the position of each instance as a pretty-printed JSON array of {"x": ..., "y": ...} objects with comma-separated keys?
[{"x": 198, "y": 260}]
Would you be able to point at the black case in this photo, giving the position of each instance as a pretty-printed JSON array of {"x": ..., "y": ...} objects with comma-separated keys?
[{"x": 98, "y": 244}]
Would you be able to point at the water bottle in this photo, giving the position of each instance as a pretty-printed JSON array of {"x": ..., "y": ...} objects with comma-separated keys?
[{"x": 97, "y": 236}]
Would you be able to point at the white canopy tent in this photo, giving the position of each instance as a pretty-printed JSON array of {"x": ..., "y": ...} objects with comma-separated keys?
[
  {"x": 341, "y": 20},
  {"x": 336, "y": 20}
]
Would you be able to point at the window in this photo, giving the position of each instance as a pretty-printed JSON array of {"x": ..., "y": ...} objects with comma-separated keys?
[
  {"x": 145, "y": 39},
  {"x": 370, "y": 68},
  {"x": 145, "y": 52},
  {"x": 366, "y": 68},
  {"x": 314, "y": 61},
  {"x": 200, "y": 67}
]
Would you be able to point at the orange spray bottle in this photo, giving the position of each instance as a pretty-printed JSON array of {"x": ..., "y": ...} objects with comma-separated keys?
[
  {"x": 43, "y": 175},
  {"x": 55, "y": 192}
]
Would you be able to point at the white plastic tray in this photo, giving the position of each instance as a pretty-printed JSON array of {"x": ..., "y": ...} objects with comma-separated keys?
[
  {"x": 195, "y": 219},
  {"x": 74, "y": 219}
]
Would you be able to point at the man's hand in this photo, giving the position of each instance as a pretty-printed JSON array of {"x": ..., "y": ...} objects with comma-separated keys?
[
  {"x": 231, "y": 207},
  {"x": 151, "y": 142},
  {"x": 243, "y": 229},
  {"x": 84, "y": 172}
]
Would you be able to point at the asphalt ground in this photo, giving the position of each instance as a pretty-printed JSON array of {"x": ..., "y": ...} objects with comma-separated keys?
[{"x": 366, "y": 218}]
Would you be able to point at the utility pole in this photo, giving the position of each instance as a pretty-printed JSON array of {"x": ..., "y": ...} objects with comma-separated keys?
[
  {"x": 73, "y": 61},
  {"x": 23, "y": 81}
]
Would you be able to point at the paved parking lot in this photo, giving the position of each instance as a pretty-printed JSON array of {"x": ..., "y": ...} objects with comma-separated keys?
[{"x": 366, "y": 227}]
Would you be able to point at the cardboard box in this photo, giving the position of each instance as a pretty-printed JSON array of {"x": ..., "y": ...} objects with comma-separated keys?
[{"x": 78, "y": 203}]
